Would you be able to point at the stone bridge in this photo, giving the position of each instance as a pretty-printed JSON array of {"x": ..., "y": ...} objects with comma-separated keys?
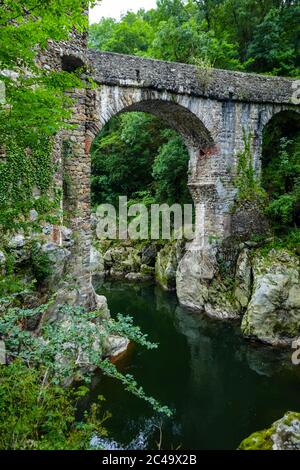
[{"x": 210, "y": 108}]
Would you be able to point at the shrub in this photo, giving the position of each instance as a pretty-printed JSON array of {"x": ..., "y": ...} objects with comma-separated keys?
[{"x": 36, "y": 415}]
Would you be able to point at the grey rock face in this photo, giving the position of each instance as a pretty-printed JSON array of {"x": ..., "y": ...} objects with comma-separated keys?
[
  {"x": 116, "y": 345},
  {"x": 286, "y": 435},
  {"x": 57, "y": 256},
  {"x": 101, "y": 305},
  {"x": 195, "y": 267},
  {"x": 97, "y": 262},
  {"x": 243, "y": 277},
  {"x": 248, "y": 220},
  {"x": 67, "y": 237},
  {"x": 200, "y": 286},
  {"x": 273, "y": 314}
]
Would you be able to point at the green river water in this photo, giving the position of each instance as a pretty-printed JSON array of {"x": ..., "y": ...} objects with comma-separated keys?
[{"x": 220, "y": 386}]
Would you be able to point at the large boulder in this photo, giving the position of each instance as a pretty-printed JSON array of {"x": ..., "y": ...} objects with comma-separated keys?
[
  {"x": 284, "y": 434},
  {"x": 196, "y": 269},
  {"x": 273, "y": 313},
  {"x": 167, "y": 263},
  {"x": 200, "y": 287},
  {"x": 97, "y": 262}
]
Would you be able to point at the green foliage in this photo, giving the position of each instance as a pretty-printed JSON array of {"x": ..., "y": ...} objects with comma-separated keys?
[
  {"x": 124, "y": 326},
  {"x": 37, "y": 415},
  {"x": 170, "y": 171},
  {"x": 22, "y": 173},
  {"x": 275, "y": 44},
  {"x": 67, "y": 349},
  {"x": 231, "y": 34},
  {"x": 10, "y": 284},
  {"x": 132, "y": 386},
  {"x": 281, "y": 170},
  {"x": 26, "y": 123},
  {"x": 288, "y": 240},
  {"x": 131, "y": 36},
  {"x": 26, "y": 23},
  {"x": 260, "y": 440},
  {"x": 247, "y": 183}
]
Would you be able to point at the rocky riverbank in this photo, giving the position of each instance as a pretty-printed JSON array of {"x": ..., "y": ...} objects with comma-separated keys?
[
  {"x": 255, "y": 283},
  {"x": 260, "y": 288},
  {"x": 284, "y": 434},
  {"x": 33, "y": 273}
]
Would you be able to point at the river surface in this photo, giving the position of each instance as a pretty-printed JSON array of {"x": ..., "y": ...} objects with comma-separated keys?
[{"x": 220, "y": 387}]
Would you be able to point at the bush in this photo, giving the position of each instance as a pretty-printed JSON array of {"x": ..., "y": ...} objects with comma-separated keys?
[
  {"x": 72, "y": 349},
  {"x": 247, "y": 183},
  {"x": 36, "y": 415}
]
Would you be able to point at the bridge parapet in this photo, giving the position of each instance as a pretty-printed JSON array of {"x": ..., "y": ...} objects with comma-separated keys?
[{"x": 123, "y": 70}]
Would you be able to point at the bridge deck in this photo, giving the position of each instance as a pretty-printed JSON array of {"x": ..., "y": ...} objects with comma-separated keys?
[{"x": 123, "y": 70}]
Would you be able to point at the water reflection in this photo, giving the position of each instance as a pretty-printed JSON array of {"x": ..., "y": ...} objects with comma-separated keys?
[{"x": 220, "y": 386}]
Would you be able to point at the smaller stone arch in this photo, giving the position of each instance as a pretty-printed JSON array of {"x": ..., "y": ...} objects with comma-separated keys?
[
  {"x": 284, "y": 122},
  {"x": 71, "y": 63},
  {"x": 281, "y": 133},
  {"x": 289, "y": 119}
]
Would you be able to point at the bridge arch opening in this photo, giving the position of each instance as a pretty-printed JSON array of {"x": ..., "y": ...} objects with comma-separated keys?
[
  {"x": 190, "y": 119},
  {"x": 281, "y": 169},
  {"x": 179, "y": 112},
  {"x": 138, "y": 154},
  {"x": 180, "y": 118}
]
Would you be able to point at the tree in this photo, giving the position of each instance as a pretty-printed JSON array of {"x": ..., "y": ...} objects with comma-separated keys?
[
  {"x": 26, "y": 123},
  {"x": 275, "y": 43},
  {"x": 259, "y": 36},
  {"x": 170, "y": 171}
]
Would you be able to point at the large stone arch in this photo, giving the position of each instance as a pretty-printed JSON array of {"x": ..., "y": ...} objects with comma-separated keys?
[{"x": 194, "y": 123}]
